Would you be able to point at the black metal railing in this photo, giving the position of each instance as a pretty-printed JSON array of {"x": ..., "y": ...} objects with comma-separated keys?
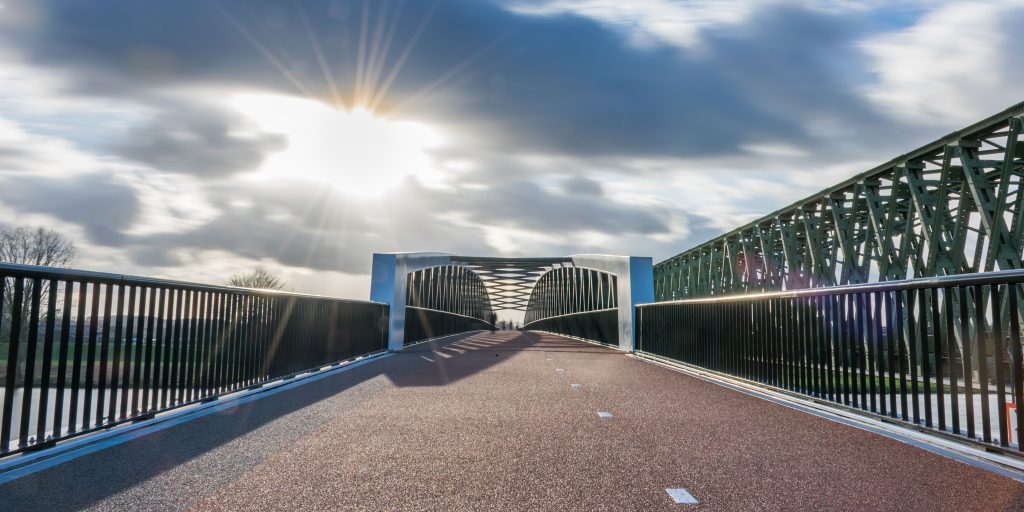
[
  {"x": 568, "y": 290},
  {"x": 600, "y": 326},
  {"x": 445, "y": 300},
  {"x": 424, "y": 323},
  {"x": 941, "y": 353},
  {"x": 575, "y": 301},
  {"x": 84, "y": 350}
]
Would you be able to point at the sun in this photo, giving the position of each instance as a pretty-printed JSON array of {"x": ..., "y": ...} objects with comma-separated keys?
[{"x": 352, "y": 150}]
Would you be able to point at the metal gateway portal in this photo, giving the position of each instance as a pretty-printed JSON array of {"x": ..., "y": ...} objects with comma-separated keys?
[{"x": 434, "y": 294}]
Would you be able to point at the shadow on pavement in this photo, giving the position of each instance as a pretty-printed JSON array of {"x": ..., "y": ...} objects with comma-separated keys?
[{"x": 83, "y": 482}]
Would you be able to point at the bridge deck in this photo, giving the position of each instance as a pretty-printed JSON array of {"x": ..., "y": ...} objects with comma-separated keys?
[{"x": 487, "y": 422}]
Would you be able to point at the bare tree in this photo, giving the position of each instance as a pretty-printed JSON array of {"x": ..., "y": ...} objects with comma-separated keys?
[
  {"x": 31, "y": 246},
  {"x": 260, "y": 278},
  {"x": 36, "y": 246}
]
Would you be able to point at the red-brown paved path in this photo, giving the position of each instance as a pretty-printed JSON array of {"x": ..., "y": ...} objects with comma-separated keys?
[{"x": 487, "y": 422}]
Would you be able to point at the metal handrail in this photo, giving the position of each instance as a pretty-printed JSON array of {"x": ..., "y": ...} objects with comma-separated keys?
[
  {"x": 571, "y": 314},
  {"x": 447, "y": 313},
  {"x": 43, "y": 272}
]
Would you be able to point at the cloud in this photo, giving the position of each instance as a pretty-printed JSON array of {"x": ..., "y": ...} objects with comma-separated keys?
[
  {"x": 648, "y": 22},
  {"x": 955, "y": 65},
  {"x": 201, "y": 139},
  {"x": 307, "y": 226},
  {"x": 582, "y": 185},
  {"x": 564, "y": 84},
  {"x": 96, "y": 202}
]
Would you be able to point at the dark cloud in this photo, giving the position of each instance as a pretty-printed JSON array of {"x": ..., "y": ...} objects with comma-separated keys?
[
  {"x": 561, "y": 84},
  {"x": 198, "y": 139},
  {"x": 95, "y": 202},
  {"x": 526, "y": 205},
  {"x": 582, "y": 185}
]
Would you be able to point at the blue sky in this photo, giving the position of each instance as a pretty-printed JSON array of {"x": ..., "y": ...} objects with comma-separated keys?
[{"x": 195, "y": 139}]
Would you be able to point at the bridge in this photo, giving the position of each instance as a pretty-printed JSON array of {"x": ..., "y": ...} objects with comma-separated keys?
[{"x": 860, "y": 349}]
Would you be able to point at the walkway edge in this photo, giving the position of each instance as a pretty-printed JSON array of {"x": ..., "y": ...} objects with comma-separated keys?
[
  {"x": 30, "y": 462},
  {"x": 996, "y": 463}
]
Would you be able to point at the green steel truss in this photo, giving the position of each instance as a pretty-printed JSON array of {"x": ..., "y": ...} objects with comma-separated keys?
[{"x": 953, "y": 206}]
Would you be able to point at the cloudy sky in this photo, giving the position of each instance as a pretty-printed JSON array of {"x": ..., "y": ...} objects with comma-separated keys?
[{"x": 193, "y": 139}]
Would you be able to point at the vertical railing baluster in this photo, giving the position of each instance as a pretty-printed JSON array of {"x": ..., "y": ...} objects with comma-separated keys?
[
  {"x": 31, "y": 344},
  {"x": 1017, "y": 373},
  {"x": 102, "y": 385},
  {"x": 149, "y": 358},
  {"x": 90, "y": 365},
  {"x": 188, "y": 333},
  {"x": 139, "y": 347},
  {"x": 880, "y": 366},
  {"x": 891, "y": 337},
  {"x": 861, "y": 344},
  {"x": 965, "y": 355},
  {"x": 169, "y": 347},
  {"x": 845, "y": 308},
  {"x": 76, "y": 368},
  {"x": 981, "y": 340},
  {"x": 831, "y": 343},
  {"x": 195, "y": 377},
  {"x": 47, "y": 367},
  {"x": 922, "y": 318},
  {"x": 997, "y": 359},
  {"x": 951, "y": 350},
  {"x": 8, "y": 390},
  {"x": 115, "y": 368},
  {"x": 129, "y": 349},
  {"x": 871, "y": 343},
  {"x": 912, "y": 344},
  {"x": 10, "y": 381},
  {"x": 901, "y": 345},
  {"x": 805, "y": 381},
  {"x": 62, "y": 362},
  {"x": 177, "y": 344},
  {"x": 822, "y": 343},
  {"x": 938, "y": 334}
]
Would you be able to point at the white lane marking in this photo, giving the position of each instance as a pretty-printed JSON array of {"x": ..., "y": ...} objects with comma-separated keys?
[
  {"x": 427, "y": 358},
  {"x": 604, "y": 414},
  {"x": 560, "y": 370},
  {"x": 453, "y": 349},
  {"x": 446, "y": 356},
  {"x": 577, "y": 386},
  {"x": 682, "y": 496}
]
